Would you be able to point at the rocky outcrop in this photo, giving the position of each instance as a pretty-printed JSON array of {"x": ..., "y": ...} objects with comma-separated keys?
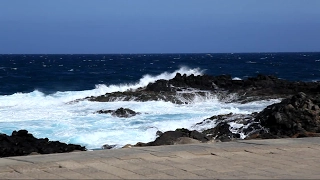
[
  {"x": 230, "y": 126},
  {"x": 201, "y": 82},
  {"x": 178, "y": 97},
  {"x": 259, "y": 86},
  {"x": 293, "y": 117},
  {"x": 186, "y": 140},
  {"x": 107, "y": 146},
  {"x": 23, "y": 143},
  {"x": 176, "y": 137},
  {"x": 182, "y": 89},
  {"x": 298, "y": 116},
  {"x": 121, "y": 112}
]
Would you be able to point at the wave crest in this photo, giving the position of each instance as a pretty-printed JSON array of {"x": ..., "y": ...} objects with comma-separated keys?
[{"x": 144, "y": 81}]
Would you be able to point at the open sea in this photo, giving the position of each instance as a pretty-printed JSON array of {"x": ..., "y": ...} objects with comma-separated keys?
[{"x": 35, "y": 91}]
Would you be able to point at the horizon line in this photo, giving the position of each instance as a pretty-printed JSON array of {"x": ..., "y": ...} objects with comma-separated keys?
[{"x": 262, "y": 52}]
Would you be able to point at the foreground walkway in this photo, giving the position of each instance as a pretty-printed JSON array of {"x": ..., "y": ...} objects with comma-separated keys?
[{"x": 245, "y": 159}]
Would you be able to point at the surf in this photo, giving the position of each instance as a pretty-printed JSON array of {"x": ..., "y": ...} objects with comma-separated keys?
[{"x": 52, "y": 115}]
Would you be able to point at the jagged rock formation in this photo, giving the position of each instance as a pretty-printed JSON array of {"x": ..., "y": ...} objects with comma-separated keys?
[
  {"x": 176, "y": 137},
  {"x": 260, "y": 86},
  {"x": 222, "y": 131},
  {"x": 23, "y": 143},
  {"x": 297, "y": 116},
  {"x": 121, "y": 112},
  {"x": 182, "y": 89}
]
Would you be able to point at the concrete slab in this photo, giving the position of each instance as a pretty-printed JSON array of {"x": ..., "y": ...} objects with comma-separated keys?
[
  {"x": 12, "y": 161},
  {"x": 258, "y": 159},
  {"x": 14, "y": 175},
  {"x": 67, "y": 173}
]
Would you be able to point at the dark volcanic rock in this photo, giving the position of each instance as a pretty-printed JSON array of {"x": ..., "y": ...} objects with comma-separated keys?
[
  {"x": 121, "y": 112},
  {"x": 204, "y": 82},
  {"x": 174, "y": 137},
  {"x": 298, "y": 116},
  {"x": 23, "y": 143},
  {"x": 178, "y": 97},
  {"x": 182, "y": 89},
  {"x": 104, "y": 111},
  {"x": 107, "y": 146},
  {"x": 261, "y": 85},
  {"x": 222, "y": 131},
  {"x": 168, "y": 138}
]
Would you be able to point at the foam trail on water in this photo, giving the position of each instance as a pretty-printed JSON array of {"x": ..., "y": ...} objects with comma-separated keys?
[
  {"x": 40, "y": 99},
  {"x": 53, "y": 117},
  {"x": 146, "y": 79},
  {"x": 101, "y": 89}
]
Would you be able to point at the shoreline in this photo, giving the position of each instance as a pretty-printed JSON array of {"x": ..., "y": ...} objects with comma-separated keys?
[
  {"x": 196, "y": 139},
  {"x": 264, "y": 124}
]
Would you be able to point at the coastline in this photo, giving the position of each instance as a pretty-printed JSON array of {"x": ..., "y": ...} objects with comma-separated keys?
[{"x": 258, "y": 125}]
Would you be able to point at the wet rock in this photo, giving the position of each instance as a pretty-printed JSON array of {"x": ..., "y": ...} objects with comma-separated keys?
[
  {"x": 204, "y": 82},
  {"x": 127, "y": 146},
  {"x": 121, "y": 112},
  {"x": 159, "y": 133},
  {"x": 104, "y": 111},
  {"x": 176, "y": 137},
  {"x": 177, "y": 97},
  {"x": 167, "y": 138},
  {"x": 124, "y": 112},
  {"x": 221, "y": 132},
  {"x": 23, "y": 143},
  {"x": 243, "y": 125},
  {"x": 198, "y": 136},
  {"x": 186, "y": 140},
  {"x": 188, "y": 87},
  {"x": 298, "y": 116},
  {"x": 107, "y": 146}
]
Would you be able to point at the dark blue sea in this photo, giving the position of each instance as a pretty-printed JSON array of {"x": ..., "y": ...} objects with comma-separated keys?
[
  {"x": 76, "y": 72},
  {"x": 35, "y": 90}
]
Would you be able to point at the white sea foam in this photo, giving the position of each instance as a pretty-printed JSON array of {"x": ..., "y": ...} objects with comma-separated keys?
[
  {"x": 146, "y": 79},
  {"x": 53, "y": 117},
  {"x": 236, "y": 78}
]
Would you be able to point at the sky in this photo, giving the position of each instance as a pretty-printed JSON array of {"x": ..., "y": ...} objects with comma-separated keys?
[{"x": 158, "y": 26}]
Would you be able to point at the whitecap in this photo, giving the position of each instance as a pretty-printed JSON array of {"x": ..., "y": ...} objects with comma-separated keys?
[
  {"x": 251, "y": 62},
  {"x": 53, "y": 117},
  {"x": 236, "y": 79}
]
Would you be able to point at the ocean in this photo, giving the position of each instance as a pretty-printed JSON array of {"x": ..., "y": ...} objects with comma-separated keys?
[{"x": 36, "y": 91}]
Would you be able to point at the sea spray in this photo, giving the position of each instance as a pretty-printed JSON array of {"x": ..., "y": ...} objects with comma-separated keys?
[{"x": 52, "y": 116}]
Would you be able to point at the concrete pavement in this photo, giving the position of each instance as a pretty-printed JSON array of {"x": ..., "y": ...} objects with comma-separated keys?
[{"x": 244, "y": 159}]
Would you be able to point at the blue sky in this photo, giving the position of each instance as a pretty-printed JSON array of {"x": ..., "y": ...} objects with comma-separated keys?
[{"x": 159, "y": 26}]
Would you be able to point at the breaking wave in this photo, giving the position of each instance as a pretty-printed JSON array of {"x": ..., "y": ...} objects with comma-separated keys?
[{"x": 53, "y": 117}]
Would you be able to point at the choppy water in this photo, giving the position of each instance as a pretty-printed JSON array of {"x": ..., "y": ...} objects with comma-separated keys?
[{"x": 35, "y": 91}]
